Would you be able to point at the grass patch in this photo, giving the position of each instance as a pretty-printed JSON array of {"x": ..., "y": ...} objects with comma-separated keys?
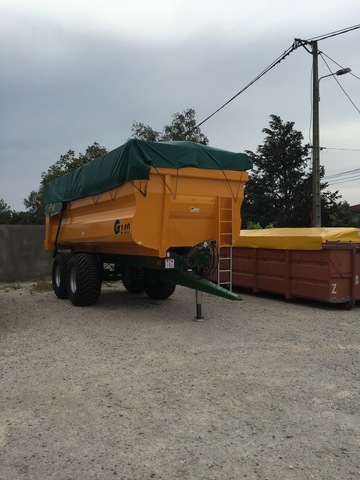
[
  {"x": 41, "y": 286},
  {"x": 12, "y": 286}
]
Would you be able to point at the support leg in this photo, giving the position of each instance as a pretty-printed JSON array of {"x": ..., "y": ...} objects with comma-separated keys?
[{"x": 199, "y": 316}]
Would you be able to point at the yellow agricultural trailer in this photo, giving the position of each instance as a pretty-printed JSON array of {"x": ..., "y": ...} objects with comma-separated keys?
[{"x": 151, "y": 214}]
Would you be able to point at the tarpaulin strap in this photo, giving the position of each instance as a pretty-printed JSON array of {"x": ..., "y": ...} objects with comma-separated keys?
[
  {"x": 166, "y": 185},
  {"x": 55, "y": 251}
]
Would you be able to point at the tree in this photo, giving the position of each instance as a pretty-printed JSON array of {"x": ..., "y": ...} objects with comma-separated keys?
[
  {"x": 12, "y": 217},
  {"x": 279, "y": 190},
  {"x": 5, "y": 212},
  {"x": 182, "y": 127},
  {"x": 35, "y": 207},
  {"x": 21, "y": 218},
  {"x": 343, "y": 216},
  {"x": 66, "y": 163},
  {"x": 140, "y": 131}
]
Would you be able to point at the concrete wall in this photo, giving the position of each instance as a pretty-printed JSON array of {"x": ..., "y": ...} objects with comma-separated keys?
[{"x": 22, "y": 254}]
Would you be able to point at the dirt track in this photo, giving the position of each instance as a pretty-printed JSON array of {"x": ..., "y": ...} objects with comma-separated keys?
[{"x": 132, "y": 388}]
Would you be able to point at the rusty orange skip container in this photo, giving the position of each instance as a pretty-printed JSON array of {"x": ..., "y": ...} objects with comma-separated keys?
[
  {"x": 317, "y": 264},
  {"x": 173, "y": 207}
]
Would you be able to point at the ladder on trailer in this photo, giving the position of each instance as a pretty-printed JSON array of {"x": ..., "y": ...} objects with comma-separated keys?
[{"x": 224, "y": 273}]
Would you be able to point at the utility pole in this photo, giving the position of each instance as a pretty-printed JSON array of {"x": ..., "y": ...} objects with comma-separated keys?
[{"x": 316, "y": 195}]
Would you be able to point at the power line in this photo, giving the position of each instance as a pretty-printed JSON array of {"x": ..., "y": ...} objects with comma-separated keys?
[
  {"x": 272, "y": 65},
  {"x": 353, "y": 104},
  {"x": 343, "y": 149},
  {"x": 322, "y": 54},
  {"x": 333, "y": 34},
  {"x": 338, "y": 64},
  {"x": 297, "y": 43},
  {"x": 345, "y": 180},
  {"x": 336, "y": 175},
  {"x": 343, "y": 177}
]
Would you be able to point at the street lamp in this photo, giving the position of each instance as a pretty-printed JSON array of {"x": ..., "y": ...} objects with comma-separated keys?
[
  {"x": 342, "y": 71},
  {"x": 316, "y": 196}
]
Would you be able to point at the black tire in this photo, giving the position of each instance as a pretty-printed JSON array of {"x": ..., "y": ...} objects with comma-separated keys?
[
  {"x": 158, "y": 289},
  {"x": 83, "y": 279},
  {"x": 134, "y": 286},
  {"x": 58, "y": 274}
]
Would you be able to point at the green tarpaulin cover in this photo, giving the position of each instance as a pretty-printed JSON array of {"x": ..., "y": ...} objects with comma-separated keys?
[{"x": 132, "y": 161}]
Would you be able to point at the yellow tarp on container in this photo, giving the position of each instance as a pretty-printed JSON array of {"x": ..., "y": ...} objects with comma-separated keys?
[{"x": 296, "y": 238}]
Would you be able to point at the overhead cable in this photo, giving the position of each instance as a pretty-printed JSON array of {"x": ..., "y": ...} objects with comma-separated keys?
[
  {"x": 272, "y": 65},
  {"x": 297, "y": 43},
  {"x": 336, "y": 175},
  {"x": 344, "y": 149},
  {"x": 338, "y": 64},
  {"x": 337, "y": 81},
  {"x": 345, "y": 180},
  {"x": 333, "y": 34}
]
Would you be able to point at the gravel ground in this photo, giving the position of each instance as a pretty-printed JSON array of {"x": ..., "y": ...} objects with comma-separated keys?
[{"x": 132, "y": 388}]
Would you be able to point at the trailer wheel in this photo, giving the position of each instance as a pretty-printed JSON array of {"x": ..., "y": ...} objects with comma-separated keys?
[
  {"x": 58, "y": 274},
  {"x": 134, "y": 286},
  {"x": 83, "y": 279},
  {"x": 158, "y": 289}
]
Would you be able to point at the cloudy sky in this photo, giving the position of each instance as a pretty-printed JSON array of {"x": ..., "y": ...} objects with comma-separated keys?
[{"x": 78, "y": 71}]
